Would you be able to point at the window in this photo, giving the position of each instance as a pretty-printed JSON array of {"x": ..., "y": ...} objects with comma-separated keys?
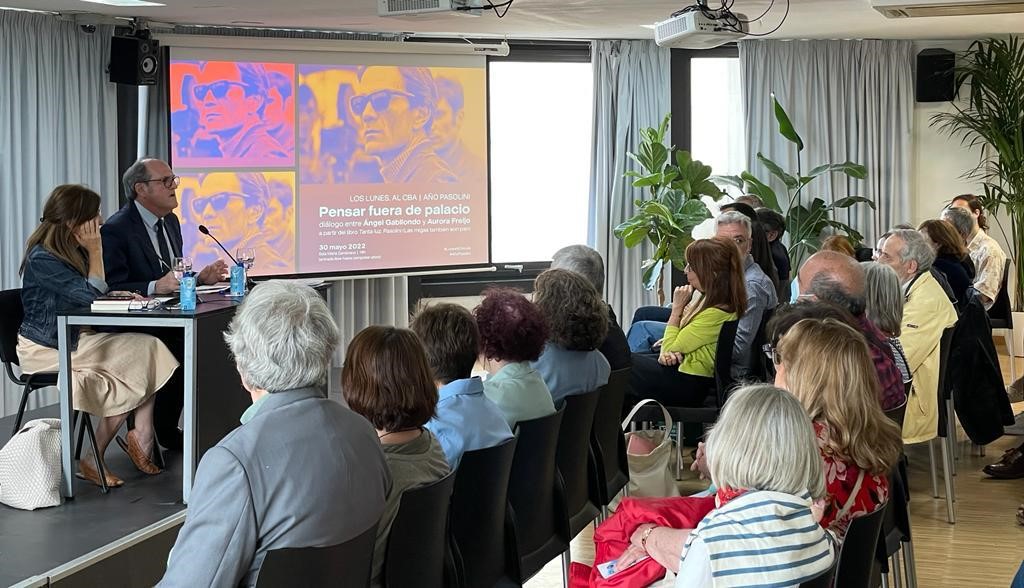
[
  {"x": 716, "y": 114},
  {"x": 541, "y": 118}
]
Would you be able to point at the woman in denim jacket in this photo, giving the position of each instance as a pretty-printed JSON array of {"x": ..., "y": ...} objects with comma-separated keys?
[{"x": 113, "y": 374}]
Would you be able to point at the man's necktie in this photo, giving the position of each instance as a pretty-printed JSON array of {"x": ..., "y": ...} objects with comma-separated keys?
[{"x": 161, "y": 240}]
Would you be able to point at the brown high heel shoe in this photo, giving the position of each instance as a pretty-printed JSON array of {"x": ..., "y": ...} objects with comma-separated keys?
[
  {"x": 87, "y": 471},
  {"x": 142, "y": 461}
]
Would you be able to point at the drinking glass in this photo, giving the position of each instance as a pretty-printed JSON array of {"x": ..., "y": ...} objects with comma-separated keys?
[
  {"x": 247, "y": 257},
  {"x": 181, "y": 265}
]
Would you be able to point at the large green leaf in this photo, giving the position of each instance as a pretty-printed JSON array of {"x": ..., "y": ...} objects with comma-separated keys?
[
  {"x": 785, "y": 125},
  {"x": 691, "y": 214},
  {"x": 854, "y": 170},
  {"x": 734, "y": 181},
  {"x": 647, "y": 181},
  {"x": 652, "y": 272},
  {"x": 677, "y": 253},
  {"x": 761, "y": 190},
  {"x": 850, "y": 201},
  {"x": 776, "y": 170}
]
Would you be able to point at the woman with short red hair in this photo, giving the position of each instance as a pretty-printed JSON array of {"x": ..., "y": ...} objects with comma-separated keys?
[{"x": 512, "y": 334}]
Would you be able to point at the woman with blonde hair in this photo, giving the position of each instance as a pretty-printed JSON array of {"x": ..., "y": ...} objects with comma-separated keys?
[
  {"x": 827, "y": 366},
  {"x": 113, "y": 374}
]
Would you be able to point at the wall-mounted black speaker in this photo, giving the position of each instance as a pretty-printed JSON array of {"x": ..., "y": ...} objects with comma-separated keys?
[
  {"x": 935, "y": 75},
  {"x": 134, "y": 61}
]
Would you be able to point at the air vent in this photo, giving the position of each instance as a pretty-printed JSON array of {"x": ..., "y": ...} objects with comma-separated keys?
[{"x": 902, "y": 9}]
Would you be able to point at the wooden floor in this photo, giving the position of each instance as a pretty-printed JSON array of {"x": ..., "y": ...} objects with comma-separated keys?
[{"x": 982, "y": 550}]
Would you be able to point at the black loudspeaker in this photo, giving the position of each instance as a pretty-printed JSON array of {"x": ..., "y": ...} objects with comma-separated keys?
[
  {"x": 134, "y": 61},
  {"x": 935, "y": 75}
]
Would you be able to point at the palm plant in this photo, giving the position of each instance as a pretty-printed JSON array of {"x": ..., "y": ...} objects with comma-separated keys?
[
  {"x": 675, "y": 183},
  {"x": 990, "y": 80},
  {"x": 805, "y": 222}
]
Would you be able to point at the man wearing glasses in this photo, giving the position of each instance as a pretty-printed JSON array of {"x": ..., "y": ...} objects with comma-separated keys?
[
  {"x": 395, "y": 107},
  {"x": 140, "y": 242},
  {"x": 232, "y": 99}
]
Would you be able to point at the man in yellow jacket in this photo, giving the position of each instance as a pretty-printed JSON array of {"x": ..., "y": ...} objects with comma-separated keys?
[{"x": 926, "y": 314}]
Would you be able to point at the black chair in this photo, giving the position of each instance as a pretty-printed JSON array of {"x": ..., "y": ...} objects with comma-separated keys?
[
  {"x": 417, "y": 551},
  {"x": 609, "y": 466},
  {"x": 349, "y": 563},
  {"x": 898, "y": 413},
  {"x": 822, "y": 580},
  {"x": 895, "y": 534},
  {"x": 857, "y": 567},
  {"x": 571, "y": 459},
  {"x": 536, "y": 523},
  {"x": 759, "y": 366},
  {"x": 11, "y": 314},
  {"x": 1000, "y": 317},
  {"x": 947, "y": 429},
  {"x": 479, "y": 500}
]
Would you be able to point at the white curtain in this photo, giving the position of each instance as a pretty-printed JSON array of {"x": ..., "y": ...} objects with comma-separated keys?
[
  {"x": 632, "y": 91},
  {"x": 57, "y": 126},
  {"x": 848, "y": 100}
]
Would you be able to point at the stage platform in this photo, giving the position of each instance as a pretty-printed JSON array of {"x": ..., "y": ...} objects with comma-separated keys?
[{"x": 111, "y": 540}]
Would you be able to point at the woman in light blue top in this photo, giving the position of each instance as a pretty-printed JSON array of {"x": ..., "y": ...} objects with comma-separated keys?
[
  {"x": 512, "y": 334},
  {"x": 578, "y": 321}
]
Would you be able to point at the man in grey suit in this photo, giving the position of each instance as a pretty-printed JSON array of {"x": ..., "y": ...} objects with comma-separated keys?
[{"x": 301, "y": 471}]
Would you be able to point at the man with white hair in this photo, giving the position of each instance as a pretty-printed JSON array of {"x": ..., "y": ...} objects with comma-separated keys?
[
  {"x": 926, "y": 314},
  {"x": 301, "y": 471},
  {"x": 761, "y": 296}
]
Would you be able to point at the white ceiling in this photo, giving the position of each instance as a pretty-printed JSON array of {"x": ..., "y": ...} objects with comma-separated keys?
[{"x": 563, "y": 19}]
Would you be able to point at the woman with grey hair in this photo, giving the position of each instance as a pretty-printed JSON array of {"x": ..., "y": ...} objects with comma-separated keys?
[
  {"x": 884, "y": 307},
  {"x": 301, "y": 471},
  {"x": 763, "y": 457}
]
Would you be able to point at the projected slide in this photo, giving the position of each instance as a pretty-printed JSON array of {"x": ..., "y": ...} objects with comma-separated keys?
[{"x": 325, "y": 168}]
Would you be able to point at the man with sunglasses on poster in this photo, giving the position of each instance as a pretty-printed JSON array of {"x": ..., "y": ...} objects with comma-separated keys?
[
  {"x": 231, "y": 99},
  {"x": 140, "y": 242},
  {"x": 395, "y": 107}
]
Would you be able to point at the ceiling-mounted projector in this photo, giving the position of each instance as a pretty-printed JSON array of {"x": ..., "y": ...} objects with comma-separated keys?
[
  {"x": 413, "y": 7},
  {"x": 697, "y": 30}
]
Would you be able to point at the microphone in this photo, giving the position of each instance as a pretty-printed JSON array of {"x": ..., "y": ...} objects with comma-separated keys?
[{"x": 206, "y": 231}]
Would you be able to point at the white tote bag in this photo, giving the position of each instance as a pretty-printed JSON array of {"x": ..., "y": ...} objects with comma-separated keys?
[
  {"x": 30, "y": 466},
  {"x": 650, "y": 474}
]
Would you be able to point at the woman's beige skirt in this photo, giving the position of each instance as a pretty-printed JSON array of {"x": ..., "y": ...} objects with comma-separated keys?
[{"x": 112, "y": 373}]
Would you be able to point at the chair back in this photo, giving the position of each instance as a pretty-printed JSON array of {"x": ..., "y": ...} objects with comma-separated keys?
[
  {"x": 1000, "y": 314},
  {"x": 822, "y": 580},
  {"x": 11, "y": 315},
  {"x": 479, "y": 499},
  {"x": 607, "y": 444},
  {"x": 856, "y": 566},
  {"x": 571, "y": 458},
  {"x": 320, "y": 566},
  {"x": 896, "y": 414},
  {"x": 723, "y": 361},
  {"x": 537, "y": 521},
  {"x": 418, "y": 541},
  {"x": 758, "y": 363},
  {"x": 945, "y": 345}
]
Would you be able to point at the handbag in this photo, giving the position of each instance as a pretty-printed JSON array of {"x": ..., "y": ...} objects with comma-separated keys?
[
  {"x": 30, "y": 466},
  {"x": 650, "y": 473}
]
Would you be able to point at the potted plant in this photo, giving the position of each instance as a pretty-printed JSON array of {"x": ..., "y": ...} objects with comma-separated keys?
[
  {"x": 989, "y": 114},
  {"x": 666, "y": 219},
  {"x": 805, "y": 221}
]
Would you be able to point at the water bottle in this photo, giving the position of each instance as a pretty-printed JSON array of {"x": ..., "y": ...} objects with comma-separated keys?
[
  {"x": 188, "y": 291},
  {"x": 238, "y": 280}
]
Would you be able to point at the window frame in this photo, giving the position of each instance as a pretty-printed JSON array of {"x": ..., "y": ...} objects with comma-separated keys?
[{"x": 518, "y": 275}]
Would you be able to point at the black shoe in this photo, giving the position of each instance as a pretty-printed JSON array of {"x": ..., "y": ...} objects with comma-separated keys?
[{"x": 1011, "y": 467}]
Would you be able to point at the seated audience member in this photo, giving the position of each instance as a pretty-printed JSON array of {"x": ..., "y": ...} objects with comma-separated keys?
[
  {"x": 763, "y": 457},
  {"x": 115, "y": 374},
  {"x": 577, "y": 324},
  {"x": 398, "y": 403},
  {"x": 774, "y": 225},
  {"x": 760, "y": 249},
  {"x": 588, "y": 263},
  {"x": 833, "y": 277},
  {"x": 682, "y": 373},
  {"x": 761, "y": 297},
  {"x": 826, "y": 365},
  {"x": 751, "y": 200},
  {"x": 512, "y": 334},
  {"x": 884, "y": 308},
  {"x": 839, "y": 244},
  {"x": 465, "y": 419},
  {"x": 301, "y": 471},
  {"x": 951, "y": 257},
  {"x": 988, "y": 257},
  {"x": 926, "y": 314}
]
